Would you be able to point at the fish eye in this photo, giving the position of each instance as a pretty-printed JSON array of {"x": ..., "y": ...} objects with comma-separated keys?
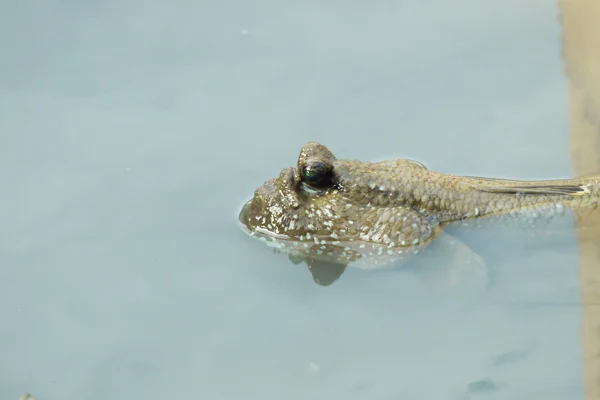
[{"x": 317, "y": 173}]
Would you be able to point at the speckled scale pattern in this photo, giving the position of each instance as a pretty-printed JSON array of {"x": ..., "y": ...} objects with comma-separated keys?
[
  {"x": 384, "y": 211},
  {"x": 454, "y": 198}
]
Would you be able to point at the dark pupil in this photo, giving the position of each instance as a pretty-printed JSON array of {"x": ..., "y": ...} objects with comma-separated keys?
[{"x": 315, "y": 173}]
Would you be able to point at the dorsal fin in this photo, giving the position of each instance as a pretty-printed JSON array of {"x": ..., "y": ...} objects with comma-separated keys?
[
  {"x": 401, "y": 163},
  {"x": 568, "y": 188}
]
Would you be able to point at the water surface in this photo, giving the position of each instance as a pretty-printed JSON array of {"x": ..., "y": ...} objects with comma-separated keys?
[{"x": 132, "y": 133}]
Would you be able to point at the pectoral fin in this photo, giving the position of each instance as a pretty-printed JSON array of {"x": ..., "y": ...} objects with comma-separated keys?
[{"x": 325, "y": 273}]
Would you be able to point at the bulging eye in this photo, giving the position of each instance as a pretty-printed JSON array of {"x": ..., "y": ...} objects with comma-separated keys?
[{"x": 317, "y": 174}]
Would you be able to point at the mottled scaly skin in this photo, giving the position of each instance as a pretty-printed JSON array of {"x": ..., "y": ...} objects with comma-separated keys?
[
  {"x": 373, "y": 214},
  {"x": 451, "y": 198}
]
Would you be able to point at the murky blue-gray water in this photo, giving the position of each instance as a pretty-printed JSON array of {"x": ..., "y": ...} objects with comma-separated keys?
[{"x": 131, "y": 133}]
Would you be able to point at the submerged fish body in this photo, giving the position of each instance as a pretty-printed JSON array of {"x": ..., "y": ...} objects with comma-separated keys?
[{"x": 374, "y": 214}]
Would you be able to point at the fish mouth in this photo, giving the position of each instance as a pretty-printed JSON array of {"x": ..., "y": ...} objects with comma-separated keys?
[
  {"x": 271, "y": 238},
  {"x": 243, "y": 217}
]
